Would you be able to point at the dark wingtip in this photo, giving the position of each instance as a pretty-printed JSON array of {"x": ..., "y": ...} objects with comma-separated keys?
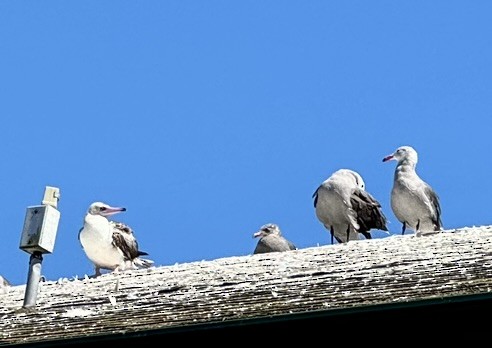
[{"x": 142, "y": 253}]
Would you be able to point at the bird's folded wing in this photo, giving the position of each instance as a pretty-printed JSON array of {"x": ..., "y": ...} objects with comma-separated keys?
[
  {"x": 124, "y": 239},
  {"x": 368, "y": 209}
]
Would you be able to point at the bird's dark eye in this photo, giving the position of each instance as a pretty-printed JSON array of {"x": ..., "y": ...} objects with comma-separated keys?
[
  {"x": 102, "y": 208},
  {"x": 356, "y": 180}
]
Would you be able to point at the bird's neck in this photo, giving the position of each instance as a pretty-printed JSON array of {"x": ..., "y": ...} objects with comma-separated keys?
[
  {"x": 95, "y": 221},
  {"x": 405, "y": 167}
]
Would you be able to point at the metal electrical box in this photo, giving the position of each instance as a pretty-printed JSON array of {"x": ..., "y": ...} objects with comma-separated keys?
[{"x": 40, "y": 227}]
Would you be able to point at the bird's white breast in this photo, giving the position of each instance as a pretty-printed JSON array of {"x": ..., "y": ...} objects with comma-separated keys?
[{"x": 96, "y": 238}]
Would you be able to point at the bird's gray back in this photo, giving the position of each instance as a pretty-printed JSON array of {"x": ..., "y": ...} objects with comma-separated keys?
[{"x": 273, "y": 243}]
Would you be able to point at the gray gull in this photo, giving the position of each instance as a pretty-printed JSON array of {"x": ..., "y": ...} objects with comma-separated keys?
[
  {"x": 271, "y": 240},
  {"x": 414, "y": 202},
  {"x": 346, "y": 209}
]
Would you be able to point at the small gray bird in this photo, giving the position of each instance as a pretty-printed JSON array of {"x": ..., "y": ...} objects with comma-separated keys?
[
  {"x": 413, "y": 201},
  {"x": 346, "y": 209},
  {"x": 108, "y": 244},
  {"x": 271, "y": 240}
]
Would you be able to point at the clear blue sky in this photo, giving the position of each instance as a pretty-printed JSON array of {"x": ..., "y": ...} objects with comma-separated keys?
[{"x": 208, "y": 119}]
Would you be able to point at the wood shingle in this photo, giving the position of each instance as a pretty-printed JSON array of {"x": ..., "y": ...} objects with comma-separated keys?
[{"x": 393, "y": 271}]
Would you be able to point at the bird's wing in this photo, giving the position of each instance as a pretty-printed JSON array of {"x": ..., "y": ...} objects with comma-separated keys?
[
  {"x": 124, "y": 239},
  {"x": 315, "y": 196},
  {"x": 80, "y": 230},
  {"x": 279, "y": 243},
  {"x": 261, "y": 247},
  {"x": 291, "y": 245},
  {"x": 369, "y": 213},
  {"x": 272, "y": 244},
  {"x": 436, "y": 207}
]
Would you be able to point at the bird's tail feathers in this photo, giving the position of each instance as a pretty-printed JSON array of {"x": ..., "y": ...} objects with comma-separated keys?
[{"x": 142, "y": 263}]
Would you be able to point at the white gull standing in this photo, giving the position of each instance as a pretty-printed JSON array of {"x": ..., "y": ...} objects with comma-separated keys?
[
  {"x": 414, "y": 202},
  {"x": 346, "y": 209},
  {"x": 271, "y": 240},
  {"x": 108, "y": 244}
]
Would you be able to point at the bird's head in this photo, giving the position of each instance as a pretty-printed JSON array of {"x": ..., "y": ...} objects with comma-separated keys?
[
  {"x": 403, "y": 153},
  {"x": 266, "y": 230},
  {"x": 350, "y": 177},
  {"x": 103, "y": 209}
]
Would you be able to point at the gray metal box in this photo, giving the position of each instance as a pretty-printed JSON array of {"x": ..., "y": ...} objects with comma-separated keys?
[{"x": 40, "y": 227}]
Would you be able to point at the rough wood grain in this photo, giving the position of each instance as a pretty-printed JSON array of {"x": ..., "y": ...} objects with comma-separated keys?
[{"x": 360, "y": 273}]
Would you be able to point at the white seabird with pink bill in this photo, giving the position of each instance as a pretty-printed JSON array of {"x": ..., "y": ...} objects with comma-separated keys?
[{"x": 110, "y": 245}]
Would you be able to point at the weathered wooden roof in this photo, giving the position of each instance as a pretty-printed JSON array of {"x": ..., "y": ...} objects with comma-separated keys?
[{"x": 393, "y": 270}]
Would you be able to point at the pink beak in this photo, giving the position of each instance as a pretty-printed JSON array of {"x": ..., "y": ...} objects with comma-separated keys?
[
  {"x": 113, "y": 210},
  {"x": 388, "y": 158}
]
